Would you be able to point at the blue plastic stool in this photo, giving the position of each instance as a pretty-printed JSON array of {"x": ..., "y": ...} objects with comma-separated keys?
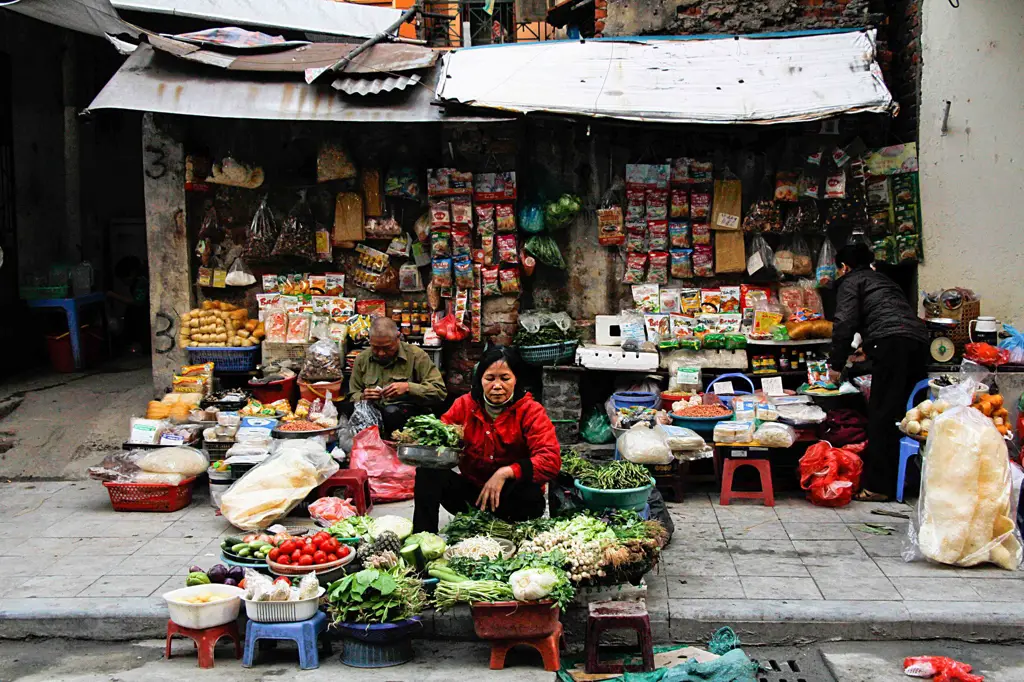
[
  {"x": 304, "y": 633},
  {"x": 908, "y": 446}
]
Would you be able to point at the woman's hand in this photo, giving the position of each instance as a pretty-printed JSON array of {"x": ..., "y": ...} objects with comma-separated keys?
[{"x": 490, "y": 496}]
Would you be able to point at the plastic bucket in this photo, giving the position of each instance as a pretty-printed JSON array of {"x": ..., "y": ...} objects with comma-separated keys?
[
  {"x": 669, "y": 399},
  {"x": 514, "y": 619},
  {"x": 630, "y": 498},
  {"x": 319, "y": 390},
  {"x": 275, "y": 390},
  {"x": 635, "y": 399}
]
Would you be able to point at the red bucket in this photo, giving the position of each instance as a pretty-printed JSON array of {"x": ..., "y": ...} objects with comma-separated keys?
[
  {"x": 275, "y": 390},
  {"x": 514, "y": 619}
]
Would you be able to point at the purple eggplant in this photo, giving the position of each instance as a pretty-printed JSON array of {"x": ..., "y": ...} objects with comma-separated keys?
[
  {"x": 231, "y": 581},
  {"x": 195, "y": 569},
  {"x": 218, "y": 574},
  {"x": 236, "y": 573}
]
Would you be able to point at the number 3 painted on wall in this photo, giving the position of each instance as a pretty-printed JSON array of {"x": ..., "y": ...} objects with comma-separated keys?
[{"x": 155, "y": 166}]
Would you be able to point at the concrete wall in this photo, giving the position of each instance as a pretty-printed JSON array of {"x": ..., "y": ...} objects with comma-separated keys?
[{"x": 972, "y": 178}]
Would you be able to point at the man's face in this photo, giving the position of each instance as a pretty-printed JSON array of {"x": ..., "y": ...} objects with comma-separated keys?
[{"x": 384, "y": 349}]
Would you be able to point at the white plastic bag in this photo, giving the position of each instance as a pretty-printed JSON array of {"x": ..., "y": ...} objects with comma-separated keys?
[
  {"x": 680, "y": 439},
  {"x": 965, "y": 512},
  {"x": 775, "y": 435},
  {"x": 644, "y": 445},
  {"x": 177, "y": 460},
  {"x": 270, "y": 490}
]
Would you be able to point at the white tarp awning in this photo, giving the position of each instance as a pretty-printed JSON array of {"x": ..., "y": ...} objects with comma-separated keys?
[
  {"x": 316, "y": 16},
  {"x": 721, "y": 80},
  {"x": 95, "y": 17}
]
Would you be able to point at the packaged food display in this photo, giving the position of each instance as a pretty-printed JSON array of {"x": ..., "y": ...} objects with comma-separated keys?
[{"x": 734, "y": 432}]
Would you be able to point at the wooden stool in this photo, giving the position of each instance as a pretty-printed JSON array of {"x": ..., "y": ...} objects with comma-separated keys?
[
  {"x": 205, "y": 640},
  {"x": 546, "y": 646},
  {"x": 763, "y": 466},
  {"x": 618, "y": 615},
  {"x": 356, "y": 485}
]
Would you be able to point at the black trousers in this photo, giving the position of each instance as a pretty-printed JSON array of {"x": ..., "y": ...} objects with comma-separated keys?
[
  {"x": 897, "y": 364},
  {"x": 436, "y": 488}
]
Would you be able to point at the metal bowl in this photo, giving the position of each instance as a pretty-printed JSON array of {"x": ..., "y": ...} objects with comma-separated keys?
[{"x": 428, "y": 457}]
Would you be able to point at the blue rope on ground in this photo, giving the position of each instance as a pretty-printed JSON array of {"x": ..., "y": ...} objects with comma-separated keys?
[{"x": 723, "y": 641}]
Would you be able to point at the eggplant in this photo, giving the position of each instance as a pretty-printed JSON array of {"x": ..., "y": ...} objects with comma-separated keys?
[
  {"x": 218, "y": 573},
  {"x": 231, "y": 581},
  {"x": 195, "y": 569},
  {"x": 236, "y": 573}
]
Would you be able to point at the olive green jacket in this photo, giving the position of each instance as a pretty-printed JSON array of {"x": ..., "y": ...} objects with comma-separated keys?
[{"x": 426, "y": 385}]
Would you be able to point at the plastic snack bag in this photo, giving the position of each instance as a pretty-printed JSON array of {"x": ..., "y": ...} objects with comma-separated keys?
[
  {"x": 262, "y": 234},
  {"x": 636, "y": 266},
  {"x": 644, "y": 445},
  {"x": 298, "y": 234},
  {"x": 409, "y": 278},
  {"x": 825, "y": 274}
]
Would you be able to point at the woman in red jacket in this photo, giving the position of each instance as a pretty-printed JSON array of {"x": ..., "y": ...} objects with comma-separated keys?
[{"x": 509, "y": 450}]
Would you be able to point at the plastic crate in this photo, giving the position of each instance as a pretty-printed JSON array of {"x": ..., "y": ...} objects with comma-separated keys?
[
  {"x": 226, "y": 359},
  {"x": 150, "y": 497}
]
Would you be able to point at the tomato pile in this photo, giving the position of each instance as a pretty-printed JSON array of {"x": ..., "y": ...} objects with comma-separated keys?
[{"x": 318, "y": 549}]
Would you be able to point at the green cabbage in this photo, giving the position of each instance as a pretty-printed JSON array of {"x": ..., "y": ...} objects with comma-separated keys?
[{"x": 432, "y": 546}]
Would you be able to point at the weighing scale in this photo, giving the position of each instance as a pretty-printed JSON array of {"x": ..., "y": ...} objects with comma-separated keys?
[{"x": 941, "y": 347}]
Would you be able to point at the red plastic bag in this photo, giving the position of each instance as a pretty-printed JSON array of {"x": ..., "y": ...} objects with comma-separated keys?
[
  {"x": 390, "y": 480},
  {"x": 328, "y": 510},
  {"x": 940, "y": 669},
  {"x": 986, "y": 354},
  {"x": 450, "y": 328},
  {"x": 830, "y": 475}
]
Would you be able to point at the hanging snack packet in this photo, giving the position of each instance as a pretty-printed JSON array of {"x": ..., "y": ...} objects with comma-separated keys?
[
  {"x": 680, "y": 203},
  {"x": 441, "y": 243},
  {"x": 610, "y": 228},
  {"x": 906, "y": 219},
  {"x": 907, "y": 248},
  {"x": 262, "y": 233},
  {"x": 505, "y": 218},
  {"x": 700, "y": 205},
  {"x": 508, "y": 252},
  {"x": 657, "y": 273},
  {"x": 659, "y": 234},
  {"x": 835, "y": 186},
  {"x": 491, "y": 280},
  {"x": 657, "y": 204},
  {"x": 682, "y": 263},
  {"x": 636, "y": 237},
  {"x": 679, "y": 235},
  {"x": 409, "y": 278},
  {"x": 462, "y": 243},
  {"x": 702, "y": 172},
  {"x": 636, "y": 205},
  {"x": 703, "y": 261},
  {"x": 440, "y": 215},
  {"x": 701, "y": 234},
  {"x": 786, "y": 186},
  {"x": 442, "y": 273},
  {"x": 485, "y": 218},
  {"x": 509, "y": 278},
  {"x": 636, "y": 265},
  {"x": 487, "y": 242},
  {"x": 825, "y": 274},
  {"x": 298, "y": 233},
  {"x": 462, "y": 212},
  {"x": 399, "y": 246},
  {"x": 463, "y": 273}
]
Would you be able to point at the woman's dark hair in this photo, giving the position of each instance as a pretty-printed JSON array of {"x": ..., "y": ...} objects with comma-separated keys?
[
  {"x": 855, "y": 256},
  {"x": 510, "y": 356}
]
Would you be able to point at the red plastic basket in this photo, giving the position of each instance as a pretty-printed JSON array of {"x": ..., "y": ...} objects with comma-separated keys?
[
  {"x": 275, "y": 390},
  {"x": 150, "y": 497}
]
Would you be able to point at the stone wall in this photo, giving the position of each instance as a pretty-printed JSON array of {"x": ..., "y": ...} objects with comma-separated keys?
[{"x": 562, "y": 399}]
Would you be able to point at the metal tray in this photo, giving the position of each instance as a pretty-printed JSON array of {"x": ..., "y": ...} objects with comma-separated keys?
[{"x": 428, "y": 457}]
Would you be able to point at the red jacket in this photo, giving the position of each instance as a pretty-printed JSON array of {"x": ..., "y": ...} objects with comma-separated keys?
[{"x": 522, "y": 437}]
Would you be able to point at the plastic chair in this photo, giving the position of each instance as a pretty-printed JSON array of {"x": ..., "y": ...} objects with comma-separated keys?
[
  {"x": 908, "y": 446},
  {"x": 304, "y": 633},
  {"x": 354, "y": 484},
  {"x": 205, "y": 640},
  {"x": 764, "y": 469},
  {"x": 618, "y": 615}
]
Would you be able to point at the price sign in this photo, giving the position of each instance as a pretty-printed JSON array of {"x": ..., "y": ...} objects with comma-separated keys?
[
  {"x": 724, "y": 388},
  {"x": 739, "y": 453},
  {"x": 772, "y": 385}
]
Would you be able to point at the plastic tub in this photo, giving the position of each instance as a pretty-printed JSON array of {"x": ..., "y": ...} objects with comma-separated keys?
[
  {"x": 629, "y": 498},
  {"x": 702, "y": 425},
  {"x": 670, "y": 399},
  {"x": 319, "y": 389},
  {"x": 275, "y": 390},
  {"x": 635, "y": 399},
  {"x": 514, "y": 619},
  {"x": 283, "y": 611},
  {"x": 325, "y": 573},
  {"x": 202, "y": 616}
]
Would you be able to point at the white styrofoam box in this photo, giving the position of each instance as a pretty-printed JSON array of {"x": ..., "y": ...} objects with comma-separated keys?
[
  {"x": 613, "y": 357},
  {"x": 606, "y": 330}
]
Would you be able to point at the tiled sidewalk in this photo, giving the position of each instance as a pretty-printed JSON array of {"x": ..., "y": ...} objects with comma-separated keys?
[{"x": 775, "y": 574}]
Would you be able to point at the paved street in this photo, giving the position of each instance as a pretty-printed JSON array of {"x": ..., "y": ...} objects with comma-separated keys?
[{"x": 784, "y": 575}]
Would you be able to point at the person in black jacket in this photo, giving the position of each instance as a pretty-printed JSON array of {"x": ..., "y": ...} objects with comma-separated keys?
[{"x": 895, "y": 339}]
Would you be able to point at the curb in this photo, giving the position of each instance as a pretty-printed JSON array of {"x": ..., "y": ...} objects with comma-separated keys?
[{"x": 769, "y": 623}]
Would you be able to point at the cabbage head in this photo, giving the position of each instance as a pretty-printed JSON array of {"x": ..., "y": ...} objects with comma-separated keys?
[
  {"x": 532, "y": 584},
  {"x": 398, "y": 525}
]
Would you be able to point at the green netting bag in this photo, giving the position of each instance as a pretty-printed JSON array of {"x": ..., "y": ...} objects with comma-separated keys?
[{"x": 597, "y": 430}]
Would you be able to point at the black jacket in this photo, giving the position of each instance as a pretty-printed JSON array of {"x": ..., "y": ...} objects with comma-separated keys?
[{"x": 872, "y": 304}]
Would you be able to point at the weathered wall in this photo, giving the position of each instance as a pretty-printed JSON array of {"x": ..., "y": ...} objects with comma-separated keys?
[{"x": 972, "y": 177}]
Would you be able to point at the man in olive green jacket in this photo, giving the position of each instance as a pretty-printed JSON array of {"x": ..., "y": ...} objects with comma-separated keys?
[{"x": 399, "y": 377}]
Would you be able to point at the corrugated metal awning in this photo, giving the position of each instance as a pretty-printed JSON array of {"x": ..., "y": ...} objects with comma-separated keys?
[
  {"x": 720, "y": 80},
  {"x": 153, "y": 81},
  {"x": 95, "y": 17},
  {"x": 320, "y": 16}
]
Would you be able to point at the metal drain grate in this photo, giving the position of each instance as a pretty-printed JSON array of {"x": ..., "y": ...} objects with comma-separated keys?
[{"x": 778, "y": 664}]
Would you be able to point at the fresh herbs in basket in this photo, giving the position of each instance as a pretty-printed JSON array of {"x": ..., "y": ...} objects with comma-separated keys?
[
  {"x": 474, "y": 522},
  {"x": 376, "y": 596},
  {"x": 549, "y": 333},
  {"x": 429, "y": 431}
]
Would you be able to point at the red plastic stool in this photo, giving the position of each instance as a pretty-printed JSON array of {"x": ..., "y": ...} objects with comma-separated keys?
[
  {"x": 205, "y": 640},
  {"x": 618, "y": 615},
  {"x": 355, "y": 483},
  {"x": 547, "y": 647},
  {"x": 763, "y": 466}
]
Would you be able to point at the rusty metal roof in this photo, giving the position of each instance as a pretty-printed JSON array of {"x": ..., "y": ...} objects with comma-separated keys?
[
  {"x": 157, "y": 82},
  {"x": 723, "y": 79},
  {"x": 319, "y": 16}
]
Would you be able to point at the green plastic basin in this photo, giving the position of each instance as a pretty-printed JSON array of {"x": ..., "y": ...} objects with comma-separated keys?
[{"x": 629, "y": 498}]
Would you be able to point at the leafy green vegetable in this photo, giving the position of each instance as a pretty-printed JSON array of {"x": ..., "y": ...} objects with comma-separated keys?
[
  {"x": 501, "y": 570},
  {"x": 617, "y": 475},
  {"x": 352, "y": 527},
  {"x": 475, "y": 522},
  {"x": 374, "y": 596},
  {"x": 547, "y": 334},
  {"x": 431, "y": 546},
  {"x": 429, "y": 431},
  {"x": 448, "y": 594},
  {"x": 545, "y": 250},
  {"x": 558, "y": 214}
]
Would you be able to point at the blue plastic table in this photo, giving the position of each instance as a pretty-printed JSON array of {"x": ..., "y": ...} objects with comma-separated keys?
[{"x": 71, "y": 307}]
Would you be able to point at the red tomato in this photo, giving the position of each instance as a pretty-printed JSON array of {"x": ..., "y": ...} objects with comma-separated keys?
[
  {"x": 309, "y": 550},
  {"x": 284, "y": 559},
  {"x": 306, "y": 560},
  {"x": 287, "y": 547},
  {"x": 282, "y": 579},
  {"x": 331, "y": 545},
  {"x": 319, "y": 558},
  {"x": 344, "y": 551},
  {"x": 309, "y": 540},
  {"x": 296, "y": 555},
  {"x": 332, "y": 558},
  {"x": 274, "y": 554}
]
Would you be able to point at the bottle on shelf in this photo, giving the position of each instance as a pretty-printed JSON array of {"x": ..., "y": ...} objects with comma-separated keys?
[{"x": 783, "y": 362}]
